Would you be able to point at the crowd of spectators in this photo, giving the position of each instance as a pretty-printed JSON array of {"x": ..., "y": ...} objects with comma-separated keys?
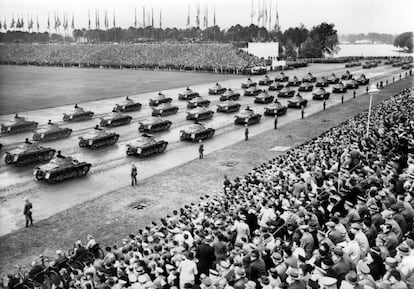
[
  {"x": 334, "y": 212},
  {"x": 219, "y": 58}
]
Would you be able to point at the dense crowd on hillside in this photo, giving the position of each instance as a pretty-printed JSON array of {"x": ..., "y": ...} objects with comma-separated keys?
[
  {"x": 335, "y": 212},
  {"x": 201, "y": 57}
]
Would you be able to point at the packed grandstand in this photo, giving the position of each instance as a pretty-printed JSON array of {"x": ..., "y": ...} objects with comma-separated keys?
[
  {"x": 334, "y": 212},
  {"x": 174, "y": 56}
]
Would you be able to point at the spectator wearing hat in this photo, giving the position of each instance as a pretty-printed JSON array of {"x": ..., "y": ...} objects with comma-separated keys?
[
  {"x": 306, "y": 241},
  {"x": 257, "y": 266},
  {"x": 187, "y": 270},
  {"x": 364, "y": 275},
  {"x": 342, "y": 266},
  {"x": 376, "y": 263},
  {"x": 240, "y": 279},
  {"x": 351, "y": 281},
  {"x": 399, "y": 217},
  {"x": 205, "y": 255},
  {"x": 370, "y": 231},
  {"x": 280, "y": 267},
  {"x": 327, "y": 266},
  {"x": 376, "y": 217},
  {"x": 390, "y": 264},
  {"x": 333, "y": 234},
  {"x": 220, "y": 248},
  {"x": 388, "y": 216},
  {"x": 265, "y": 282},
  {"x": 388, "y": 239},
  {"x": 406, "y": 268},
  {"x": 352, "y": 214},
  {"x": 241, "y": 229},
  {"x": 294, "y": 281},
  {"x": 207, "y": 283},
  {"x": 395, "y": 280},
  {"x": 360, "y": 238}
]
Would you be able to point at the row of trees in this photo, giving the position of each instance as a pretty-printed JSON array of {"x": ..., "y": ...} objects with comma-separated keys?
[
  {"x": 404, "y": 41},
  {"x": 295, "y": 42}
]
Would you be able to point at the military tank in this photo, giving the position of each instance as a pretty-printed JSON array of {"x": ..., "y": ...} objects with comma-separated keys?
[
  {"x": 61, "y": 168},
  {"x": 367, "y": 65},
  {"x": 159, "y": 99},
  {"x": 78, "y": 114},
  {"x": 164, "y": 109},
  {"x": 248, "y": 83},
  {"x": 145, "y": 147},
  {"x": 347, "y": 75},
  {"x": 281, "y": 77},
  {"x": 297, "y": 102},
  {"x": 196, "y": 132},
  {"x": 115, "y": 119},
  {"x": 18, "y": 124},
  {"x": 154, "y": 124},
  {"x": 229, "y": 95},
  {"x": 362, "y": 80},
  {"x": 264, "y": 98},
  {"x": 333, "y": 79},
  {"x": 339, "y": 88},
  {"x": 276, "y": 86},
  {"x": 188, "y": 94},
  {"x": 98, "y": 138},
  {"x": 228, "y": 107},
  {"x": 248, "y": 116},
  {"x": 217, "y": 89},
  {"x": 294, "y": 82},
  {"x": 265, "y": 80},
  {"x": 200, "y": 113},
  {"x": 320, "y": 94},
  {"x": 198, "y": 101},
  {"x": 275, "y": 108},
  {"x": 309, "y": 78},
  {"x": 322, "y": 82},
  {"x": 305, "y": 86},
  {"x": 252, "y": 91},
  {"x": 28, "y": 153},
  {"x": 51, "y": 132},
  {"x": 128, "y": 105},
  {"x": 352, "y": 84},
  {"x": 286, "y": 92}
]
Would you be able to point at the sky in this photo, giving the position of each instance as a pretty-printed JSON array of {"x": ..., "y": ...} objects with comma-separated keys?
[{"x": 349, "y": 16}]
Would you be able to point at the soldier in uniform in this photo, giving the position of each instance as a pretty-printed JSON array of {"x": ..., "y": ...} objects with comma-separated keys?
[
  {"x": 27, "y": 211},
  {"x": 134, "y": 173},
  {"x": 275, "y": 123},
  {"x": 246, "y": 133},
  {"x": 201, "y": 150}
]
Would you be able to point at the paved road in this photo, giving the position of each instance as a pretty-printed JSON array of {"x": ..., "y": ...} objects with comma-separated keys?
[{"x": 111, "y": 166}]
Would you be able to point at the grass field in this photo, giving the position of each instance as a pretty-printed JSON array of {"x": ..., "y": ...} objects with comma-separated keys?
[
  {"x": 110, "y": 217},
  {"x": 24, "y": 88}
]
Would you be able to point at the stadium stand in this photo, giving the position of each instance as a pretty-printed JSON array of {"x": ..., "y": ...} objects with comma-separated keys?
[
  {"x": 219, "y": 58},
  {"x": 335, "y": 212}
]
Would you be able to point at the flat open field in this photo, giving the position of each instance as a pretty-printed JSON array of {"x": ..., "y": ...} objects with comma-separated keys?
[{"x": 24, "y": 88}]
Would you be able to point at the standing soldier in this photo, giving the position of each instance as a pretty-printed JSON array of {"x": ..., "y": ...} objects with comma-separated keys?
[
  {"x": 28, "y": 212},
  {"x": 275, "y": 124},
  {"x": 134, "y": 173},
  {"x": 354, "y": 93},
  {"x": 303, "y": 111},
  {"x": 324, "y": 104},
  {"x": 246, "y": 133},
  {"x": 201, "y": 150}
]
